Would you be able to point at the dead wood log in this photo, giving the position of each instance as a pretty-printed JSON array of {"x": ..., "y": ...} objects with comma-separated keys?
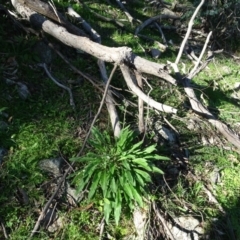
[{"x": 108, "y": 54}]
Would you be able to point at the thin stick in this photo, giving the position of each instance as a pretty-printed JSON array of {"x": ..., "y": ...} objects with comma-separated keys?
[
  {"x": 3, "y": 229},
  {"x": 130, "y": 18},
  {"x": 59, "y": 84},
  {"x": 163, "y": 221},
  {"x": 141, "y": 125},
  {"x": 51, "y": 217},
  {"x": 99, "y": 109},
  {"x": 48, "y": 204},
  {"x": 54, "y": 9},
  {"x": 102, "y": 225},
  {"x": 162, "y": 34},
  {"x": 74, "y": 68},
  {"x": 190, "y": 24},
  {"x": 201, "y": 55}
]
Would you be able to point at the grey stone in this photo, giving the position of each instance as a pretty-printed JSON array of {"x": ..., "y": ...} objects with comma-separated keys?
[
  {"x": 52, "y": 165},
  {"x": 155, "y": 53},
  {"x": 186, "y": 228},
  {"x": 73, "y": 195},
  {"x": 23, "y": 91}
]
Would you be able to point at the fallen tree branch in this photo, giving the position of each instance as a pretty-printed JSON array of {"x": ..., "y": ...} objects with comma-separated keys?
[
  {"x": 107, "y": 54},
  {"x": 93, "y": 34},
  {"x": 152, "y": 103},
  {"x": 109, "y": 98}
]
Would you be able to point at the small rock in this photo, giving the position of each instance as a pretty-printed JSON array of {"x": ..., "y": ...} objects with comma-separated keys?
[
  {"x": 73, "y": 196},
  {"x": 215, "y": 176},
  {"x": 139, "y": 219},
  {"x": 186, "y": 228},
  {"x": 173, "y": 171},
  {"x": 167, "y": 134},
  {"x": 56, "y": 225},
  {"x": 23, "y": 91},
  {"x": 237, "y": 86},
  {"x": 52, "y": 165},
  {"x": 155, "y": 53}
]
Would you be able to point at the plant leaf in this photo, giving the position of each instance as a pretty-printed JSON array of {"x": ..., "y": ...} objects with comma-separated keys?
[
  {"x": 157, "y": 170},
  {"x": 127, "y": 190},
  {"x": 150, "y": 149},
  {"x": 137, "y": 197},
  {"x": 113, "y": 186},
  {"x": 157, "y": 157},
  {"x": 128, "y": 176},
  {"x": 107, "y": 208},
  {"x": 126, "y": 165},
  {"x": 118, "y": 208},
  {"x": 143, "y": 163},
  {"x": 140, "y": 180},
  {"x": 144, "y": 174},
  {"x": 94, "y": 185},
  {"x": 136, "y": 146},
  {"x": 104, "y": 182}
]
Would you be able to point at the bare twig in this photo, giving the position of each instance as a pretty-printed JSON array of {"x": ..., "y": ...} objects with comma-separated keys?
[
  {"x": 99, "y": 109},
  {"x": 201, "y": 55},
  {"x": 51, "y": 3},
  {"x": 59, "y": 84},
  {"x": 3, "y": 229},
  {"x": 109, "y": 98},
  {"x": 52, "y": 214},
  {"x": 170, "y": 125},
  {"x": 141, "y": 126},
  {"x": 109, "y": 102},
  {"x": 94, "y": 35},
  {"x": 41, "y": 216},
  {"x": 163, "y": 221},
  {"x": 153, "y": 19},
  {"x": 75, "y": 69},
  {"x": 147, "y": 116},
  {"x": 106, "y": 19},
  {"x": 130, "y": 18},
  {"x": 102, "y": 225},
  {"x": 212, "y": 199},
  {"x": 162, "y": 34},
  {"x": 190, "y": 24}
]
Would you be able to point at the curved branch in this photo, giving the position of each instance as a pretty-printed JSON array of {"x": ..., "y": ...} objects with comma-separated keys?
[
  {"x": 153, "y": 19},
  {"x": 152, "y": 103}
]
